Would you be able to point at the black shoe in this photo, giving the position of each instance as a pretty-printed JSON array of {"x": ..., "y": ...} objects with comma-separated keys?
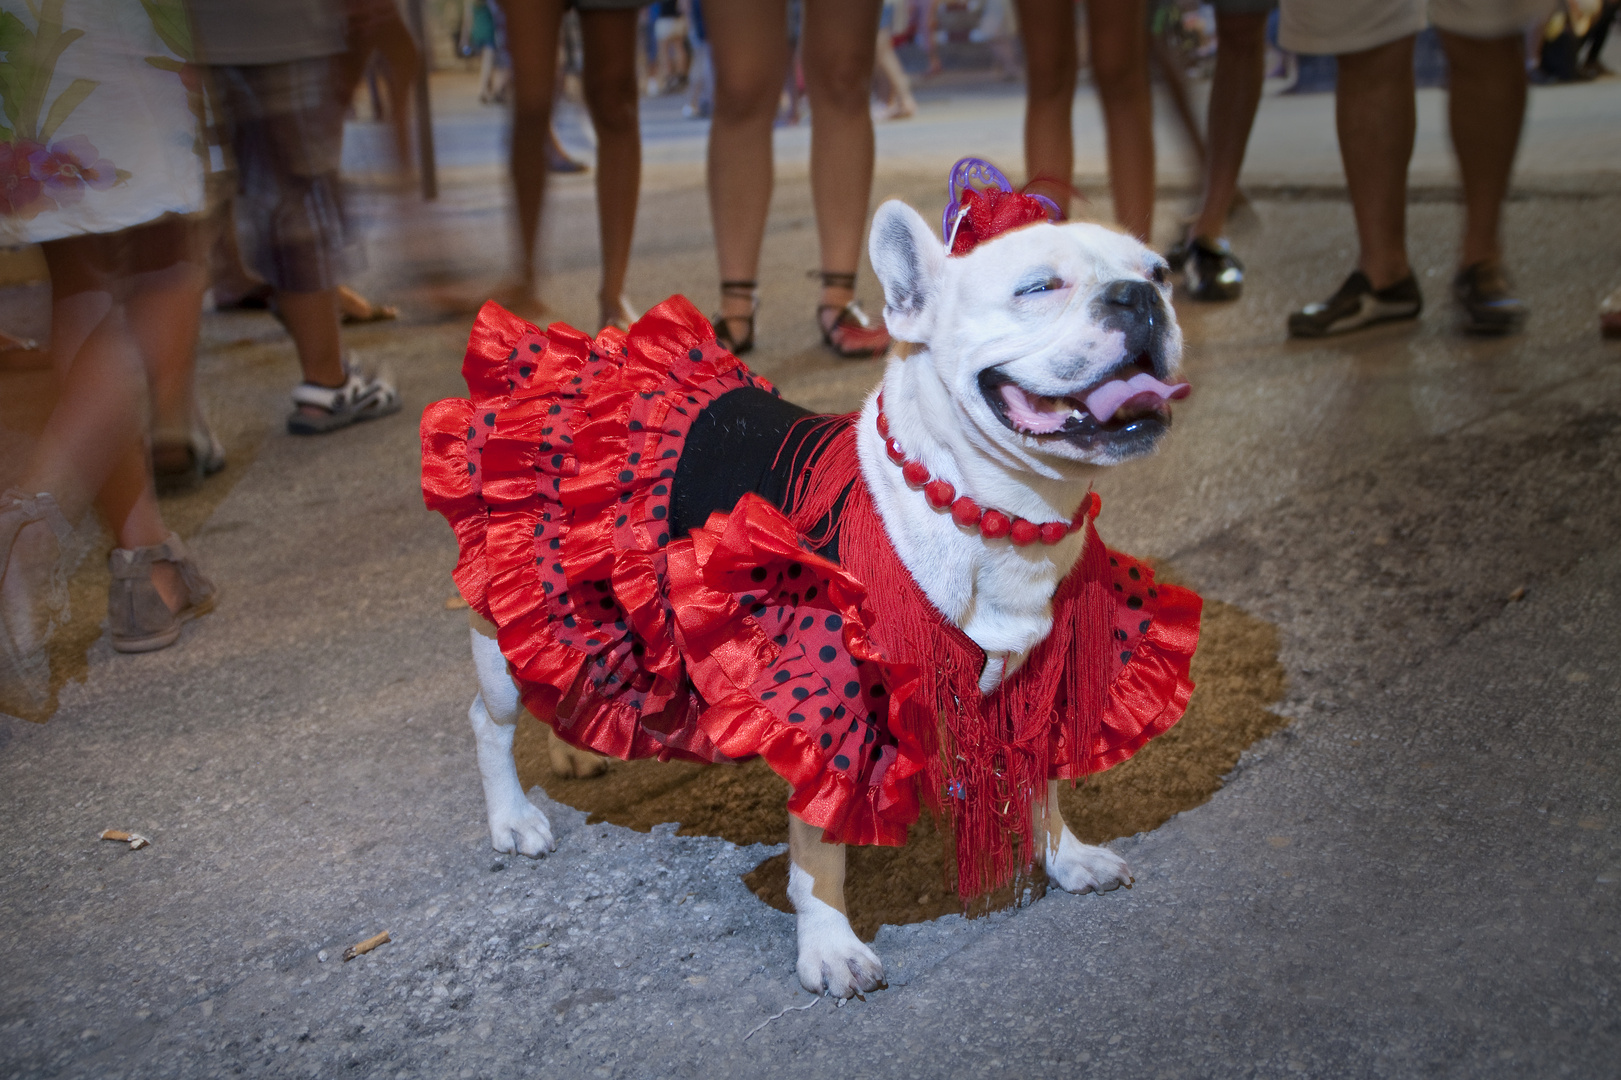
[
  {"x": 1488, "y": 307},
  {"x": 1210, "y": 271},
  {"x": 1358, "y": 304}
]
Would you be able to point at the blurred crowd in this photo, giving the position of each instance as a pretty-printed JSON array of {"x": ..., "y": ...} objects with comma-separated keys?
[{"x": 161, "y": 151}]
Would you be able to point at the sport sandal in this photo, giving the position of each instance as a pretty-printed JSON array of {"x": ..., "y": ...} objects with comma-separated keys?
[
  {"x": 137, "y": 616},
  {"x": 364, "y": 395},
  {"x": 750, "y": 291},
  {"x": 848, "y": 330}
]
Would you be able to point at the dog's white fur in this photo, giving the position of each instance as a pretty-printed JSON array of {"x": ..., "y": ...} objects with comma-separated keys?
[{"x": 1034, "y": 304}]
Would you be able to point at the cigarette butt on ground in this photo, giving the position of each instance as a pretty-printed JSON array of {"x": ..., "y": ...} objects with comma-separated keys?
[
  {"x": 134, "y": 839},
  {"x": 455, "y": 603},
  {"x": 366, "y": 946}
]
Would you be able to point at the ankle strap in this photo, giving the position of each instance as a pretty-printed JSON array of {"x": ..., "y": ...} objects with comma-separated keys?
[
  {"x": 834, "y": 279},
  {"x": 739, "y": 288}
]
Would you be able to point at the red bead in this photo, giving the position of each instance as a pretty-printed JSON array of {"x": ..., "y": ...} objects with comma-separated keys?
[
  {"x": 896, "y": 454},
  {"x": 939, "y": 493},
  {"x": 916, "y": 473},
  {"x": 994, "y": 525},
  {"x": 1078, "y": 524},
  {"x": 883, "y": 422},
  {"x": 1053, "y": 531},
  {"x": 1024, "y": 532},
  {"x": 966, "y": 512}
]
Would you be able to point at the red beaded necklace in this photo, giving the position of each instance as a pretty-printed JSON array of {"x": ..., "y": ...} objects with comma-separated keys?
[{"x": 992, "y": 524}]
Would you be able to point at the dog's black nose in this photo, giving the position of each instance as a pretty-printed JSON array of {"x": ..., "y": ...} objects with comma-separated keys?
[{"x": 1138, "y": 297}]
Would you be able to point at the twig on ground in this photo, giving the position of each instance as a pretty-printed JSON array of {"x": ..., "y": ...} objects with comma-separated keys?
[
  {"x": 785, "y": 1011},
  {"x": 366, "y": 946}
]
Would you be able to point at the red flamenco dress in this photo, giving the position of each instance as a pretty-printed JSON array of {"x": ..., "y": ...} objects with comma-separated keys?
[{"x": 770, "y": 616}]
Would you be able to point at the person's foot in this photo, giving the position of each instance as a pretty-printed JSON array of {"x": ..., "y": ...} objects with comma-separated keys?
[
  {"x": 618, "y": 314},
  {"x": 364, "y": 395},
  {"x": 355, "y": 308},
  {"x": 1209, "y": 269},
  {"x": 849, "y": 332},
  {"x": 1609, "y": 315},
  {"x": 1485, "y": 301},
  {"x": 154, "y": 590},
  {"x": 182, "y": 461},
  {"x": 1358, "y": 304},
  {"x": 558, "y": 161}
]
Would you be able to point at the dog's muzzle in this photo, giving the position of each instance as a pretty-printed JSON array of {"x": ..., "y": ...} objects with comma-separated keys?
[{"x": 1127, "y": 408}]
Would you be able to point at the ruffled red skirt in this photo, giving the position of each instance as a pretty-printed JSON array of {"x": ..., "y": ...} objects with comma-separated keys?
[{"x": 735, "y": 640}]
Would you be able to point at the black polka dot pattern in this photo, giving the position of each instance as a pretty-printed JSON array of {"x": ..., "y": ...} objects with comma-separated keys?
[{"x": 1135, "y": 606}]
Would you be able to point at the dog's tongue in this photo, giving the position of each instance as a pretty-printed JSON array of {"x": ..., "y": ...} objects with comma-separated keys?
[
  {"x": 1142, "y": 389},
  {"x": 1028, "y": 414}
]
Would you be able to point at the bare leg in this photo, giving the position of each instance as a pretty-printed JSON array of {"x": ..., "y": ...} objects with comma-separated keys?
[
  {"x": 832, "y": 960},
  {"x": 312, "y": 320},
  {"x": 1486, "y": 108},
  {"x": 611, "y": 96},
  {"x": 1375, "y": 114},
  {"x": 901, "y": 104},
  {"x": 1050, "y": 59},
  {"x": 838, "y": 44},
  {"x": 532, "y": 30},
  {"x": 1235, "y": 94},
  {"x": 748, "y": 42},
  {"x": 1119, "y": 35}
]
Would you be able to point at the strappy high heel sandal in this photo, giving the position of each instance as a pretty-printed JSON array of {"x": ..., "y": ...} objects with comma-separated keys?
[
  {"x": 849, "y": 331},
  {"x": 723, "y": 329}
]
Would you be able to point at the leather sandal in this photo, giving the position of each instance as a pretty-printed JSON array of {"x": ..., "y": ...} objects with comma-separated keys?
[
  {"x": 722, "y": 323},
  {"x": 137, "y": 616},
  {"x": 850, "y": 332}
]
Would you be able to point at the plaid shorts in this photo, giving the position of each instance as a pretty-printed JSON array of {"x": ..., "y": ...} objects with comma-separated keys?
[{"x": 285, "y": 126}]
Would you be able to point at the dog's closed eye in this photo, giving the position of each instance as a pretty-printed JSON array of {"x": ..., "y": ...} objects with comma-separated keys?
[
  {"x": 1047, "y": 284},
  {"x": 1159, "y": 273}
]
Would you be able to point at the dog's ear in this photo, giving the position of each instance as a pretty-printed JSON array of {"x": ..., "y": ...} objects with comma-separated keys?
[{"x": 909, "y": 261}]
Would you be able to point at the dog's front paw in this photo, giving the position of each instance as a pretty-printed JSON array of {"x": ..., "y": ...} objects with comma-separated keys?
[
  {"x": 569, "y": 761},
  {"x": 1081, "y": 868},
  {"x": 521, "y": 829},
  {"x": 832, "y": 960}
]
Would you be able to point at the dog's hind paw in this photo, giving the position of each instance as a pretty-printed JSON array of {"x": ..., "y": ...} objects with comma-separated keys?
[
  {"x": 833, "y": 961},
  {"x": 1081, "y": 868},
  {"x": 521, "y": 830}
]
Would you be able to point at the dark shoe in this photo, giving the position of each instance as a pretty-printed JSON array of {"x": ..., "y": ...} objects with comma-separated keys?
[
  {"x": 737, "y": 346},
  {"x": 1609, "y": 315},
  {"x": 1488, "y": 307},
  {"x": 1358, "y": 304},
  {"x": 137, "y": 617},
  {"x": 1210, "y": 271}
]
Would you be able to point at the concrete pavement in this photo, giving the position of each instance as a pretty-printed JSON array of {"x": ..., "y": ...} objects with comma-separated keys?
[{"x": 1419, "y": 875}]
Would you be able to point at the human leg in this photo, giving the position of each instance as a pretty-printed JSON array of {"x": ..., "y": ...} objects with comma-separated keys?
[
  {"x": 749, "y": 57},
  {"x": 1235, "y": 94},
  {"x": 1050, "y": 60},
  {"x": 1119, "y": 33},
  {"x": 839, "y": 42},
  {"x": 1375, "y": 116},
  {"x": 532, "y": 28},
  {"x": 1486, "y": 110},
  {"x": 611, "y": 97}
]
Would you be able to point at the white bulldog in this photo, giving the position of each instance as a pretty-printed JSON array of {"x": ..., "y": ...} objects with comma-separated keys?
[{"x": 1029, "y": 362}]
